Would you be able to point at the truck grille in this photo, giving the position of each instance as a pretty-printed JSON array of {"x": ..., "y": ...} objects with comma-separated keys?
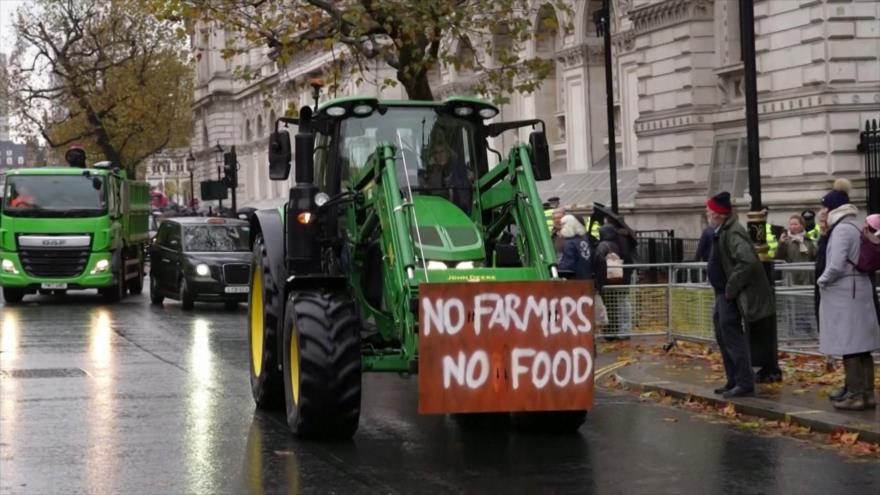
[
  {"x": 55, "y": 263},
  {"x": 236, "y": 273}
]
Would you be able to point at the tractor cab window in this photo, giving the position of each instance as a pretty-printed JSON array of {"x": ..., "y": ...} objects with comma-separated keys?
[{"x": 434, "y": 152}]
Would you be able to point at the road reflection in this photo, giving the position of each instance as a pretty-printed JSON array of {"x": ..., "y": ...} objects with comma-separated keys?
[
  {"x": 100, "y": 460},
  {"x": 9, "y": 342},
  {"x": 271, "y": 462},
  {"x": 201, "y": 405},
  {"x": 9, "y": 338}
]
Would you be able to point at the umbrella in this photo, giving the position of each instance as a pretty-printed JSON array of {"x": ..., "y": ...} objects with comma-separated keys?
[{"x": 600, "y": 212}]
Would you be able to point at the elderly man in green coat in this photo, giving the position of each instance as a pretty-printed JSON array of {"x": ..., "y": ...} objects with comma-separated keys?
[{"x": 742, "y": 292}]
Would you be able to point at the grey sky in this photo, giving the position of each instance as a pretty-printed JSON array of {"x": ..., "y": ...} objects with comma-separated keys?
[{"x": 7, "y": 11}]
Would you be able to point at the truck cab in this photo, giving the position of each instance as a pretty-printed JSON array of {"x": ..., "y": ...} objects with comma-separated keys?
[{"x": 70, "y": 228}]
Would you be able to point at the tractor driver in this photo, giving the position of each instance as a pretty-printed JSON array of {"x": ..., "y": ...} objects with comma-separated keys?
[{"x": 445, "y": 171}]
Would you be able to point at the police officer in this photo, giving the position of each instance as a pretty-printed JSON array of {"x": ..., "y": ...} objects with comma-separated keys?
[
  {"x": 551, "y": 205},
  {"x": 772, "y": 243},
  {"x": 812, "y": 229}
]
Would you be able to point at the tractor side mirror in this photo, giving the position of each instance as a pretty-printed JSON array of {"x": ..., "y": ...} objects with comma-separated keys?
[
  {"x": 279, "y": 155},
  {"x": 540, "y": 155},
  {"x": 305, "y": 157}
]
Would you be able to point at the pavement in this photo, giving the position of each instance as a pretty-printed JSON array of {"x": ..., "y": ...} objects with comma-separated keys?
[{"x": 695, "y": 371}]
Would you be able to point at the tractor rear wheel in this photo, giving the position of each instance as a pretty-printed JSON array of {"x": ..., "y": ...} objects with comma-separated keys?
[
  {"x": 549, "y": 421},
  {"x": 322, "y": 365},
  {"x": 265, "y": 311}
]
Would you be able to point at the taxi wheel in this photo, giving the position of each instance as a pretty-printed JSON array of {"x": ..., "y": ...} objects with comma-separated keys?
[
  {"x": 186, "y": 298},
  {"x": 12, "y": 296},
  {"x": 322, "y": 365}
]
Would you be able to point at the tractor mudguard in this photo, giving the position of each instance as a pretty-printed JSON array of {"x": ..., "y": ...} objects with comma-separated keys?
[{"x": 269, "y": 223}]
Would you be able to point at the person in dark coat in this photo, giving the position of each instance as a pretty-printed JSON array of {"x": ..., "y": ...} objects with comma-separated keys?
[
  {"x": 821, "y": 245},
  {"x": 576, "y": 256},
  {"x": 704, "y": 247},
  {"x": 742, "y": 293}
]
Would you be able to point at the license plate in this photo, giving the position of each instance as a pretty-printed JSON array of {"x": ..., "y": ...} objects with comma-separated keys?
[
  {"x": 240, "y": 289},
  {"x": 53, "y": 286}
]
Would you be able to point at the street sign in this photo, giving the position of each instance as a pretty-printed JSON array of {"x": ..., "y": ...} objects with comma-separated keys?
[
  {"x": 505, "y": 346},
  {"x": 213, "y": 190}
]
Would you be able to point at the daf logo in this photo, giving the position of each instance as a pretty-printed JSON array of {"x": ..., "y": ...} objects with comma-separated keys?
[{"x": 54, "y": 242}]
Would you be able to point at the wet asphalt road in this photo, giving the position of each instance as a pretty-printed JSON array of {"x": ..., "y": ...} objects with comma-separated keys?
[{"x": 156, "y": 400}]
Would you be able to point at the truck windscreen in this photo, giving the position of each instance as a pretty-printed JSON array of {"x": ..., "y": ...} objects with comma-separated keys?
[{"x": 54, "y": 196}]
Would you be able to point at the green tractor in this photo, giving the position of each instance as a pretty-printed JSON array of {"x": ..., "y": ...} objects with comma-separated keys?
[{"x": 401, "y": 250}]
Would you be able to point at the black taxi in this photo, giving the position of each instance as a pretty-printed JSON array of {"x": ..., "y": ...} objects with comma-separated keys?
[{"x": 200, "y": 259}]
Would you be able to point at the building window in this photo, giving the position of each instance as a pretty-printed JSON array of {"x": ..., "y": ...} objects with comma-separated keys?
[
  {"x": 21, "y": 160},
  {"x": 730, "y": 167},
  {"x": 8, "y": 152},
  {"x": 9, "y": 160}
]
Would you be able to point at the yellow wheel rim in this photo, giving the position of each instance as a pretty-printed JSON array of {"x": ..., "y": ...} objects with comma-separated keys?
[
  {"x": 257, "y": 322},
  {"x": 294, "y": 365}
]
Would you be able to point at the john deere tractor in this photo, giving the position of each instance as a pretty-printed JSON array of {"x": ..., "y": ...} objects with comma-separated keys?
[{"x": 401, "y": 249}]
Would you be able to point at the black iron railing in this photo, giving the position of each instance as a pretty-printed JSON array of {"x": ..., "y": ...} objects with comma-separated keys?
[{"x": 869, "y": 145}]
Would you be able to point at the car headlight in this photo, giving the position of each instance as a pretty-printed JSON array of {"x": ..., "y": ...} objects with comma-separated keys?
[
  {"x": 437, "y": 265},
  {"x": 8, "y": 267},
  {"x": 203, "y": 270},
  {"x": 101, "y": 266}
]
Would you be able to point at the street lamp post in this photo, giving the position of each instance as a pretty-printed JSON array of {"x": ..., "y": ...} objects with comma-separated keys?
[
  {"x": 218, "y": 159},
  {"x": 763, "y": 340},
  {"x": 602, "y": 19},
  {"x": 190, "y": 166}
]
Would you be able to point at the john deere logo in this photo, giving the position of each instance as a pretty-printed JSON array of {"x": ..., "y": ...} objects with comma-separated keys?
[{"x": 54, "y": 242}]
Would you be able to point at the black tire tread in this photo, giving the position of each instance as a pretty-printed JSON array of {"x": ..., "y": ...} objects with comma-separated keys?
[{"x": 330, "y": 365}]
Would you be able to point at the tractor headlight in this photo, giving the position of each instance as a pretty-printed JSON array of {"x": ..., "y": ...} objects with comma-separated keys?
[
  {"x": 202, "y": 270},
  {"x": 100, "y": 267},
  {"x": 336, "y": 111},
  {"x": 437, "y": 265},
  {"x": 465, "y": 265},
  {"x": 463, "y": 111},
  {"x": 8, "y": 267}
]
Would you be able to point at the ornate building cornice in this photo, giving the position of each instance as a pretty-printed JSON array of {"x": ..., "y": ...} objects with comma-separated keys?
[
  {"x": 667, "y": 12},
  {"x": 580, "y": 55}
]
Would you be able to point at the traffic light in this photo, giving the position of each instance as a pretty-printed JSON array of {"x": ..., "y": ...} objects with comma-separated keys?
[{"x": 230, "y": 168}]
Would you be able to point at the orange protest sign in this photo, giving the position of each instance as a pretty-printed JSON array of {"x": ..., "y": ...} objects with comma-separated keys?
[{"x": 507, "y": 346}]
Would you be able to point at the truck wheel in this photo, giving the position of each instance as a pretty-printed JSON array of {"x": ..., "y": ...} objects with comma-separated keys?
[
  {"x": 322, "y": 365},
  {"x": 155, "y": 297},
  {"x": 549, "y": 421},
  {"x": 12, "y": 296},
  {"x": 265, "y": 311},
  {"x": 136, "y": 285},
  {"x": 186, "y": 297},
  {"x": 117, "y": 292}
]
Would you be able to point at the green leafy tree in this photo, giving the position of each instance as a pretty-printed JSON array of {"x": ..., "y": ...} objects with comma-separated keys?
[
  {"x": 410, "y": 36},
  {"x": 107, "y": 74}
]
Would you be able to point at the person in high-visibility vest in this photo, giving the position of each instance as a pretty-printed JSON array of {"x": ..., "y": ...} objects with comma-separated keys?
[
  {"x": 813, "y": 231},
  {"x": 594, "y": 229},
  {"x": 769, "y": 237},
  {"x": 549, "y": 206}
]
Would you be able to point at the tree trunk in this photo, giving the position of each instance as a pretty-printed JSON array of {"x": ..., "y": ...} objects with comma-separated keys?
[{"x": 417, "y": 87}]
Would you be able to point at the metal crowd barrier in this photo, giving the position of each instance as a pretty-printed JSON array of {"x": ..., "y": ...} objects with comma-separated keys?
[{"x": 675, "y": 300}]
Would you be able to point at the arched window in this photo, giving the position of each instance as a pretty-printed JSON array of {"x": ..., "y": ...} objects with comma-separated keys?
[
  {"x": 260, "y": 129},
  {"x": 248, "y": 135}
]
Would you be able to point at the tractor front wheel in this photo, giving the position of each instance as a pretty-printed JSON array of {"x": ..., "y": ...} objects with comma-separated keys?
[
  {"x": 265, "y": 311},
  {"x": 322, "y": 365},
  {"x": 549, "y": 421}
]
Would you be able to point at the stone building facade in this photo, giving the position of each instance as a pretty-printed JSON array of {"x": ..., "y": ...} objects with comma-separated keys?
[{"x": 678, "y": 96}]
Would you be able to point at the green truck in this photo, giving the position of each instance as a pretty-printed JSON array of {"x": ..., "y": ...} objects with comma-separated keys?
[{"x": 73, "y": 228}]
